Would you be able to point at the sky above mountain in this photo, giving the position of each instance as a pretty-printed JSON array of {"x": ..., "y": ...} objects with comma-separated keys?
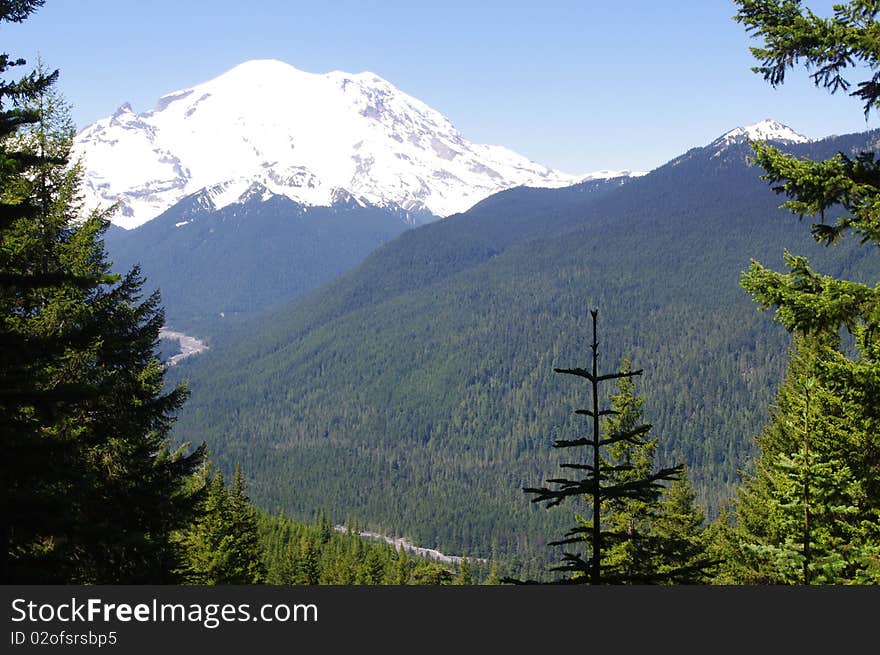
[{"x": 577, "y": 86}]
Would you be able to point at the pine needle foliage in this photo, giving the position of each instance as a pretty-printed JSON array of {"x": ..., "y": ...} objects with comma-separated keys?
[
  {"x": 810, "y": 512},
  {"x": 93, "y": 491},
  {"x": 621, "y": 483}
]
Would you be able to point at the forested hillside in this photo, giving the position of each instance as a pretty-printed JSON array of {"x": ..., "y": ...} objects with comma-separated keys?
[
  {"x": 215, "y": 266},
  {"x": 418, "y": 393}
]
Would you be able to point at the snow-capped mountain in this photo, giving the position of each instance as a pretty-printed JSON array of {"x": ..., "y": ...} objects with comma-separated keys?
[
  {"x": 766, "y": 130},
  {"x": 267, "y": 128}
]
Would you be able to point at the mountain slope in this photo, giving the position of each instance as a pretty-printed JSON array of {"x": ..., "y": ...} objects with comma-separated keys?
[
  {"x": 305, "y": 136},
  {"x": 417, "y": 394},
  {"x": 213, "y": 266}
]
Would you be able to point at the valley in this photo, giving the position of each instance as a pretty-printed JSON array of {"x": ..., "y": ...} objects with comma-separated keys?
[
  {"x": 417, "y": 392},
  {"x": 399, "y": 542},
  {"x": 189, "y": 346}
]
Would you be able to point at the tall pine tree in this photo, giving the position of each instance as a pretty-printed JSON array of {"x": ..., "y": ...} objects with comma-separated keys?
[
  {"x": 816, "y": 490},
  {"x": 93, "y": 493},
  {"x": 34, "y": 466}
]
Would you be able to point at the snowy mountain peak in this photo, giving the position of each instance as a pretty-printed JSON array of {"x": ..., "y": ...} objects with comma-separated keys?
[
  {"x": 125, "y": 108},
  {"x": 261, "y": 69},
  {"x": 766, "y": 130},
  {"x": 610, "y": 175},
  {"x": 310, "y": 137}
]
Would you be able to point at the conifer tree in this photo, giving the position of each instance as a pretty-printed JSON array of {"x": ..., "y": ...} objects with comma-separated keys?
[
  {"x": 93, "y": 491},
  {"x": 834, "y": 484},
  {"x": 34, "y": 467},
  {"x": 682, "y": 554},
  {"x": 324, "y": 527},
  {"x": 723, "y": 548},
  {"x": 403, "y": 568},
  {"x": 805, "y": 516},
  {"x": 431, "y": 573},
  {"x": 207, "y": 541},
  {"x": 372, "y": 568},
  {"x": 223, "y": 545},
  {"x": 494, "y": 577},
  {"x": 626, "y": 483},
  {"x": 650, "y": 540},
  {"x": 247, "y": 548},
  {"x": 629, "y": 519},
  {"x": 464, "y": 576},
  {"x": 308, "y": 570}
]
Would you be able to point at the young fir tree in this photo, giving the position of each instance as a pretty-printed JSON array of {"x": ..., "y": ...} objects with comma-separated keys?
[
  {"x": 280, "y": 543},
  {"x": 682, "y": 553},
  {"x": 431, "y": 573},
  {"x": 247, "y": 548},
  {"x": 223, "y": 545},
  {"x": 372, "y": 568},
  {"x": 804, "y": 516},
  {"x": 624, "y": 484},
  {"x": 308, "y": 570},
  {"x": 464, "y": 576},
  {"x": 94, "y": 492},
  {"x": 723, "y": 547},
  {"x": 494, "y": 577},
  {"x": 842, "y": 194},
  {"x": 629, "y": 542},
  {"x": 402, "y": 568},
  {"x": 206, "y": 542},
  {"x": 650, "y": 540}
]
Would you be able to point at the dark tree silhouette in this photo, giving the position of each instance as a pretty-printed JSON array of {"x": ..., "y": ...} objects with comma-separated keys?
[{"x": 602, "y": 483}]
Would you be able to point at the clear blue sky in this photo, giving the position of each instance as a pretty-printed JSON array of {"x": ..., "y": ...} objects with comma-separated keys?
[{"x": 578, "y": 86}]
